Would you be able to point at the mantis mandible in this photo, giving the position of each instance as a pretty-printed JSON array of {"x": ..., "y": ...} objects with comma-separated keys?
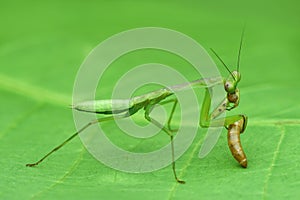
[{"x": 123, "y": 108}]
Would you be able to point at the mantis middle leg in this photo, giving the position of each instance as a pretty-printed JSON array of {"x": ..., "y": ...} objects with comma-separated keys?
[{"x": 167, "y": 130}]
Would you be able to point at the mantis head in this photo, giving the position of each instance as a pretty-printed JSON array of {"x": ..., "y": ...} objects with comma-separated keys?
[{"x": 231, "y": 82}]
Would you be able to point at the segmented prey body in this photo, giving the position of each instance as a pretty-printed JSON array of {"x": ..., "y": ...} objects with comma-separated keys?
[{"x": 234, "y": 143}]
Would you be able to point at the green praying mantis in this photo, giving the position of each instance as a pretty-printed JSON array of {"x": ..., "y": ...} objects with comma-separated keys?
[{"x": 123, "y": 108}]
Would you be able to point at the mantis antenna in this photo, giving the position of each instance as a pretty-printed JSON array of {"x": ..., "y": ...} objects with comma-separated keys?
[
  {"x": 240, "y": 49},
  {"x": 222, "y": 63}
]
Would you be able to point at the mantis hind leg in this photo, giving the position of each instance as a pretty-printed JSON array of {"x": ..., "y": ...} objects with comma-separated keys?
[
  {"x": 148, "y": 109},
  {"x": 78, "y": 132}
]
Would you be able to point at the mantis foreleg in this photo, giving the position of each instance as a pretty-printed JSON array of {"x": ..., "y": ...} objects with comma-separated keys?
[{"x": 235, "y": 124}]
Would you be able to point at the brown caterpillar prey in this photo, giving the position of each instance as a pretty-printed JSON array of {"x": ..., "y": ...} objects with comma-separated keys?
[{"x": 234, "y": 143}]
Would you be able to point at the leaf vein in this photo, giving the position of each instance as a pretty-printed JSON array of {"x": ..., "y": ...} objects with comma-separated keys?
[
  {"x": 275, "y": 155},
  {"x": 37, "y": 93}
]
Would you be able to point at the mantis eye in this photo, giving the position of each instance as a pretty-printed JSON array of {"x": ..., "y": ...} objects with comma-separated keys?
[{"x": 229, "y": 87}]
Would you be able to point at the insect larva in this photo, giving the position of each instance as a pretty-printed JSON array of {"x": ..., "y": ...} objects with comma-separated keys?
[{"x": 234, "y": 143}]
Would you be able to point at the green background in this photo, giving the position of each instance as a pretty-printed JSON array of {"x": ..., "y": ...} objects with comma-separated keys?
[{"x": 42, "y": 45}]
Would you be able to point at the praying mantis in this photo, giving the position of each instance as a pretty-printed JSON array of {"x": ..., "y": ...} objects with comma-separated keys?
[{"x": 123, "y": 108}]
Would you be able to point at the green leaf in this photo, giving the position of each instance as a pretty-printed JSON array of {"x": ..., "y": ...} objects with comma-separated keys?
[{"x": 42, "y": 45}]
